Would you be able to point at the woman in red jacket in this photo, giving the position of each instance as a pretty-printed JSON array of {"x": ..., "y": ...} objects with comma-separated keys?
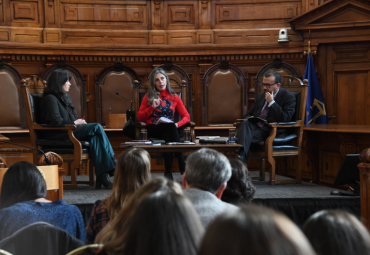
[{"x": 162, "y": 101}]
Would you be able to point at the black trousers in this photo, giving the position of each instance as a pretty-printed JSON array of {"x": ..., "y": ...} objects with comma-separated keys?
[
  {"x": 169, "y": 133},
  {"x": 249, "y": 132}
]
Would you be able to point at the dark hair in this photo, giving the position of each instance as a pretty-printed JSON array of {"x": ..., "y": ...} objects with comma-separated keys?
[
  {"x": 254, "y": 230},
  {"x": 275, "y": 74},
  {"x": 240, "y": 188},
  {"x": 165, "y": 223},
  {"x": 56, "y": 81},
  {"x": 337, "y": 232},
  {"x": 23, "y": 181}
]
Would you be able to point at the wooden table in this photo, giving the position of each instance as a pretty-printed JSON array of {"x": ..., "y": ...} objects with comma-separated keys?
[
  {"x": 230, "y": 150},
  {"x": 327, "y": 144}
]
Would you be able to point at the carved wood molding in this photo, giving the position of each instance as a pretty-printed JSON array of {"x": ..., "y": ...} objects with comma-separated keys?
[
  {"x": 145, "y": 59},
  {"x": 365, "y": 156},
  {"x": 348, "y": 148}
]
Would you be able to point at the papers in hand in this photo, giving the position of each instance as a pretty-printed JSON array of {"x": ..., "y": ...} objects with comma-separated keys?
[{"x": 164, "y": 120}]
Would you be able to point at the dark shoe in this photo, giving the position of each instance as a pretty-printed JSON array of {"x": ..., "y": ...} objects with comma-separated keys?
[
  {"x": 104, "y": 180},
  {"x": 168, "y": 175},
  {"x": 241, "y": 156}
]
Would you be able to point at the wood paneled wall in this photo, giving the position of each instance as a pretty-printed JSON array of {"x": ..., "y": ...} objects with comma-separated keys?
[
  {"x": 196, "y": 34},
  {"x": 147, "y": 22}
]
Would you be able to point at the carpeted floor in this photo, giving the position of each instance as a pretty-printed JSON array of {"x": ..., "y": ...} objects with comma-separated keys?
[{"x": 88, "y": 195}]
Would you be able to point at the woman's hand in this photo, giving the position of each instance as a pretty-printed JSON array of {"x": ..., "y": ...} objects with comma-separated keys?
[
  {"x": 80, "y": 121},
  {"x": 156, "y": 102},
  {"x": 177, "y": 125}
]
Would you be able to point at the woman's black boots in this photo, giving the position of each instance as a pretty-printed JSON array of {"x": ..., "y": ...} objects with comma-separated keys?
[
  {"x": 168, "y": 165},
  {"x": 182, "y": 162},
  {"x": 104, "y": 180}
]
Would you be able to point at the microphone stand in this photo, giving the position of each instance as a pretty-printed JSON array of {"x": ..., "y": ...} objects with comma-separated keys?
[
  {"x": 129, "y": 113},
  {"x": 20, "y": 145}
]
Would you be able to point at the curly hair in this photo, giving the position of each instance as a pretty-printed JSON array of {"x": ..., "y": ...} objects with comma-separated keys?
[{"x": 240, "y": 188}]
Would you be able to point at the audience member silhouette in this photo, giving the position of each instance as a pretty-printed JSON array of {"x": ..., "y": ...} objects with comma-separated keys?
[
  {"x": 23, "y": 203},
  {"x": 337, "y": 232},
  {"x": 132, "y": 171},
  {"x": 240, "y": 188},
  {"x": 157, "y": 219},
  {"x": 204, "y": 181},
  {"x": 254, "y": 230}
]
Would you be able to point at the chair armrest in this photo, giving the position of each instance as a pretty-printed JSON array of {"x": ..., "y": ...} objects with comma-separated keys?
[
  {"x": 286, "y": 124},
  {"x": 140, "y": 124},
  {"x": 189, "y": 124},
  {"x": 47, "y": 127}
]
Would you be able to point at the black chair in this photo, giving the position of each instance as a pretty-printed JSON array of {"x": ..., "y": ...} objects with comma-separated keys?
[{"x": 40, "y": 238}]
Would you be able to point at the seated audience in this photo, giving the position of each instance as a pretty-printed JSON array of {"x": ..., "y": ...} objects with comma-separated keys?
[
  {"x": 337, "y": 232},
  {"x": 240, "y": 188},
  {"x": 157, "y": 219},
  {"x": 204, "y": 181},
  {"x": 254, "y": 230},
  {"x": 23, "y": 202},
  {"x": 132, "y": 171}
]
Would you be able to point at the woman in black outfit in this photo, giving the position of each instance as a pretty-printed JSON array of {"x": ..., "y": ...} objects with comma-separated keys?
[{"x": 57, "y": 109}]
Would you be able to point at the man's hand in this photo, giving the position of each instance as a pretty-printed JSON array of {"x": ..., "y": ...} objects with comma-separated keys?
[
  {"x": 269, "y": 97},
  {"x": 80, "y": 121},
  {"x": 156, "y": 102}
]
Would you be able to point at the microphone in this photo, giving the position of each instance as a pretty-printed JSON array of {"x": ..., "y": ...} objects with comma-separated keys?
[
  {"x": 20, "y": 145},
  {"x": 118, "y": 94},
  {"x": 129, "y": 113}
]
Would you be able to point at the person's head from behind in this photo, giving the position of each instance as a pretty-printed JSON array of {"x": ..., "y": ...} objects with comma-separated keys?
[
  {"x": 112, "y": 234},
  {"x": 240, "y": 188},
  {"x": 23, "y": 181},
  {"x": 132, "y": 171},
  {"x": 58, "y": 82},
  {"x": 337, "y": 232},
  {"x": 254, "y": 230},
  {"x": 271, "y": 82},
  {"x": 164, "y": 223},
  {"x": 208, "y": 170}
]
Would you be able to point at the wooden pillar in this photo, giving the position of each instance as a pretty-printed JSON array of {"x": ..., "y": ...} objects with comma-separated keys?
[{"x": 364, "y": 168}]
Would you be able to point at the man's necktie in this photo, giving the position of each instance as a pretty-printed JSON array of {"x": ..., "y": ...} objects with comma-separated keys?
[{"x": 263, "y": 115}]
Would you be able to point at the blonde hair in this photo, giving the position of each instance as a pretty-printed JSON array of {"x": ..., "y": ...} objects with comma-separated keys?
[
  {"x": 113, "y": 234},
  {"x": 132, "y": 171},
  {"x": 152, "y": 90}
]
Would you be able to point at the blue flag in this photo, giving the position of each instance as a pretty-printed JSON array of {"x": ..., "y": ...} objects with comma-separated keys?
[{"x": 315, "y": 107}]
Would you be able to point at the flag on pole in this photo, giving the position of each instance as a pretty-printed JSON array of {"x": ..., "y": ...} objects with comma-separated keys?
[{"x": 315, "y": 107}]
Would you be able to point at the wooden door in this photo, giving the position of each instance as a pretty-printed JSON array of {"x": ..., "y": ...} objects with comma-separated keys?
[{"x": 344, "y": 74}]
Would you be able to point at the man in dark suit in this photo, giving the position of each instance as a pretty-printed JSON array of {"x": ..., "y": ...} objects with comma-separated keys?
[{"x": 275, "y": 104}]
